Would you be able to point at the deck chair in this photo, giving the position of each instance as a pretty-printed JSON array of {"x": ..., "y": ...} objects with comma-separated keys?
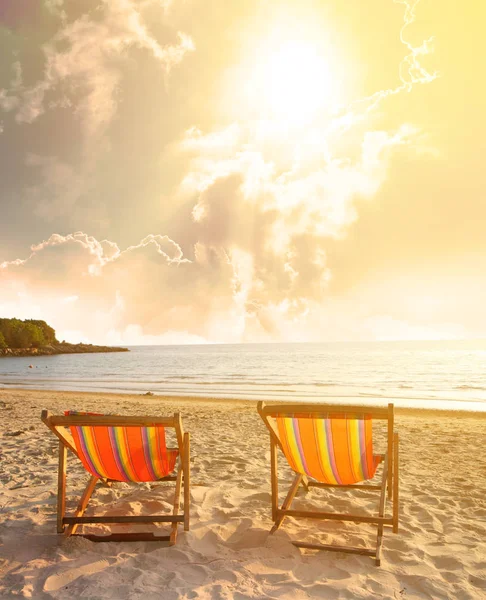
[
  {"x": 331, "y": 446},
  {"x": 116, "y": 448}
]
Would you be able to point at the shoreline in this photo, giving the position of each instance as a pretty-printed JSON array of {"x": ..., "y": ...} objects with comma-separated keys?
[
  {"x": 191, "y": 400},
  {"x": 58, "y": 349}
]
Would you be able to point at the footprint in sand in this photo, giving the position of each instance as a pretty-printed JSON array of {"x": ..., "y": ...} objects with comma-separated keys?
[{"x": 57, "y": 581}]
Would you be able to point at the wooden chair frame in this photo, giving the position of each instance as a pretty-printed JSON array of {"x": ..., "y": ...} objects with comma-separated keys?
[
  {"x": 67, "y": 525},
  {"x": 389, "y": 479}
]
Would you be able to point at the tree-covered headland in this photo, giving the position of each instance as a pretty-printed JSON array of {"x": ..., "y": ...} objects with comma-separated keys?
[
  {"x": 30, "y": 333},
  {"x": 35, "y": 337}
]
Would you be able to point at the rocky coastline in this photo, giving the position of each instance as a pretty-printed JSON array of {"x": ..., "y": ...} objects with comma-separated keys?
[{"x": 61, "y": 348}]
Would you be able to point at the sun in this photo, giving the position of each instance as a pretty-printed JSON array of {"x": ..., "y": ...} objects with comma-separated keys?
[{"x": 293, "y": 83}]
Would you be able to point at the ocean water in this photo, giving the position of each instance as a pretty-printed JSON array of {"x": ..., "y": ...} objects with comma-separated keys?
[{"x": 447, "y": 375}]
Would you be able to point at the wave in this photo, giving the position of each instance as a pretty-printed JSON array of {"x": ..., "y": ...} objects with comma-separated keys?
[
  {"x": 232, "y": 381},
  {"x": 241, "y": 392}
]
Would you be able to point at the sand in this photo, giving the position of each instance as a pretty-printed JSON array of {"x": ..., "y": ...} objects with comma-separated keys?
[{"x": 440, "y": 551}]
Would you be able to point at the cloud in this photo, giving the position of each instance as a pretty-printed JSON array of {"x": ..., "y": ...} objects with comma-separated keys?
[
  {"x": 8, "y": 98},
  {"x": 61, "y": 188},
  {"x": 59, "y": 261},
  {"x": 85, "y": 63},
  {"x": 259, "y": 210},
  {"x": 256, "y": 265},
  {"x": 274, "y": 195},
  {"x": 56, "y": 7},
  {"x": 84, "y": 59},
  {"x": 149, "y": 286},
  {"x": 280, "y": 219},
  {"x": 151, "y": 293}
]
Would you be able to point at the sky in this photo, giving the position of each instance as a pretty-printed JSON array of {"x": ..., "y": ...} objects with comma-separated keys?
[{"x": 192, "y": 171}]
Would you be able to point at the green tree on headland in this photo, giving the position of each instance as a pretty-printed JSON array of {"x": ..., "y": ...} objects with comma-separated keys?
[
  {"x": 3, "y": 343},
  {"x": 25, "y": 334},
  {"x": 47, "y": 331}
]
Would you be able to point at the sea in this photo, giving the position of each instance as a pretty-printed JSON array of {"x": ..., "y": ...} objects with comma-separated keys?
[{"x": 438, "y": 375}]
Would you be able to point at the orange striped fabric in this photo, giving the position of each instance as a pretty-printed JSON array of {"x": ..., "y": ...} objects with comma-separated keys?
[
  {"x": 124, "y": 453},
  {"x": 336, "y": 450}
]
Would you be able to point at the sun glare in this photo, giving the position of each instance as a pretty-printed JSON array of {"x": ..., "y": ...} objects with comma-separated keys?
[{"x": 293, "y": 84}]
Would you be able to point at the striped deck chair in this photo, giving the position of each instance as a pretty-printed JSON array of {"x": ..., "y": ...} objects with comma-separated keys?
[
  {"x": 116, "y": 448},
  {"x": 331, "y": 446}
]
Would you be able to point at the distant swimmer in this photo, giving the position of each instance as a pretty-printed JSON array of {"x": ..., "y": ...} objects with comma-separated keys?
[{"x": 31, "y": 366}]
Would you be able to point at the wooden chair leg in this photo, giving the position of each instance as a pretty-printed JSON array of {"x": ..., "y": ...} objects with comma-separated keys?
[
  {"x": 61, "y": 487},
  {"x": 274, "y": 477},
  {"x": 390, "y": 451},
  {"x": 82, "y": 504},
  {"x": 288, "y": 500},
  {"x": 177, "y": 500},
  {"x": 187, "y": 480},
  {"x": 395, "y": 484},
  {"x": 305, "y": 482},
  {"x": 381, "y": 512}
]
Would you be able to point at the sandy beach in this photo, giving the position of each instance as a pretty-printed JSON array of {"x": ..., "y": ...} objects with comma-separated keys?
[{"x": 439, "y": 552}]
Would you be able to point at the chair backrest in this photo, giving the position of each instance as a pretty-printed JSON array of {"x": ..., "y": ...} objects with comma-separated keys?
[
  {"x": 330, "y": 443},
  {"x": 119, "y": 448}
]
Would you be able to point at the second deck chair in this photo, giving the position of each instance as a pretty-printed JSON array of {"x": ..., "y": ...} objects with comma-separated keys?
[
  {"x": 119, "y": 448},
  {"x": 331, "y": 446}
]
